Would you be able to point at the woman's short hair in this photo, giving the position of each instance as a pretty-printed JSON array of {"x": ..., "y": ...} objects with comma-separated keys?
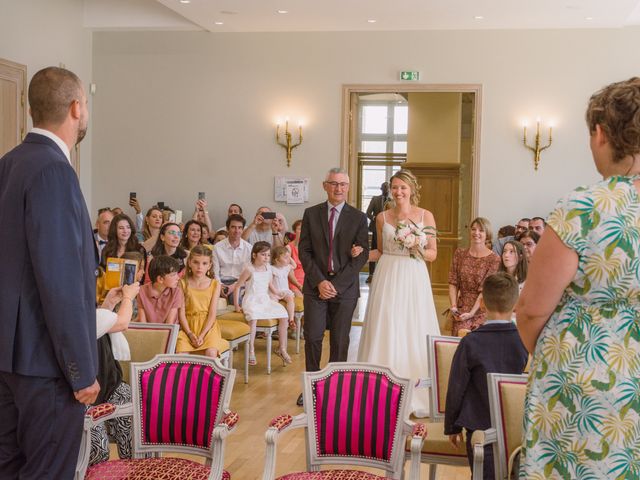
[
  {"x": 485, "y": 226},
  {"x": 535, "y": 236},
  {"x": 184, "y": 241},
  {"x": 410, "y": 179},
  {"x": 616, "y": 108}
]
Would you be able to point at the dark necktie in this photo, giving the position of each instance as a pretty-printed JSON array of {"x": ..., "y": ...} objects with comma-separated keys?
[
  {"x": 331, "y": 218},
  {"x": 102, "y": 242}
]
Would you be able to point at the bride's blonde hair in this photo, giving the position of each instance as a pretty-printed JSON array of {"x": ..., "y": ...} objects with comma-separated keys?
[{"x": 410, "y": 179}]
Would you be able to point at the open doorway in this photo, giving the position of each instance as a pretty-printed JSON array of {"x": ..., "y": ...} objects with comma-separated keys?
[{"x": 434, "y": 131}]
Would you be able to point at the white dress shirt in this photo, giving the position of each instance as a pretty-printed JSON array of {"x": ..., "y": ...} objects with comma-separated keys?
[{"x": 228, "y": 262}]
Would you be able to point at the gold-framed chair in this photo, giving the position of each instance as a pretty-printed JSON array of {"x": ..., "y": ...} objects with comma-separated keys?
[
  {"x": 355, "y": 414},
  {"x": 506, "y": 403},
  {"x": 436, "y": 448},
  {"x": 180, "y": 404},
  {"x": 146, "y": 340}
]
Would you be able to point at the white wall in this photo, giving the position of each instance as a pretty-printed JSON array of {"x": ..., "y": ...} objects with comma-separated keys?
[
  {"x": 40, "y": 33},
  {"x": 181, "y": 112}
]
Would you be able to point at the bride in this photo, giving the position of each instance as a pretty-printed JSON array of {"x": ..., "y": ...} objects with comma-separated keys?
[{"x": 401, "y": 312}]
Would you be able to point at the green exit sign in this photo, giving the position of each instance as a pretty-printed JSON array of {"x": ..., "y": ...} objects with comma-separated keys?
[{"x": 410, "y": 75}]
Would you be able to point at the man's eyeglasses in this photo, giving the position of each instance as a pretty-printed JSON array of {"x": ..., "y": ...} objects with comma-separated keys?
[
  {"x": 338, "y": 184},
  {"x": 177, "y": 233}
]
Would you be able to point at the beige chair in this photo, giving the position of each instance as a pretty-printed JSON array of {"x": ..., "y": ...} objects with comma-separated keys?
[
  {"x": 236, "y": 333},
  {"x": 506, "y": 402},
  {"x": 436, "y": 448},
  {"x": 265, "y": 326},
  {"x": 146, "y": 340}
]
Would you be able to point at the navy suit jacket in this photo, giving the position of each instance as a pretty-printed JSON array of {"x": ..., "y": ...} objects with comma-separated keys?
[
  {"x": 314, "y": 249},
  {"x": 493, "y": 348},
  {"x": 48, "y": 260}
]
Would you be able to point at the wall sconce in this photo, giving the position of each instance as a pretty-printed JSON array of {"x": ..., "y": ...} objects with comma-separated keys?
[
  {"x": 286, "y": 144},
  {"x": 536, "y": 148}
]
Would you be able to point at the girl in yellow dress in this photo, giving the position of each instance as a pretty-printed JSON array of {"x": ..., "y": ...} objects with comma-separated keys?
[{"x": 199, "y": 331}]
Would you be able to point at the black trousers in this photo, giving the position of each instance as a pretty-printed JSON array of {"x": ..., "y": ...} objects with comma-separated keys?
[
  {"x": 337, "y": 313},
  {"x": 488, "y": 471},
  {"x": 40, "y": 428},
  {"x": 374, "y": 245}
]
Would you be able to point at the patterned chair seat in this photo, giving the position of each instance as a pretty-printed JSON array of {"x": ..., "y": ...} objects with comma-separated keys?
[
  {"x": 437, "y": 443},
  {"x": 166, "y": 468},
  {"x": 331, "y": 475}
]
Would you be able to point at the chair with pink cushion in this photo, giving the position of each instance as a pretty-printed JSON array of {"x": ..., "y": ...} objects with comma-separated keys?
[
  {"x": 180, "y": 404},
  {"x": 355, "y": 414}
]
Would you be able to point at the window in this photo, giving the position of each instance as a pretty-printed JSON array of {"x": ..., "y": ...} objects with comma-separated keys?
[{"x": 382, "y": 142}]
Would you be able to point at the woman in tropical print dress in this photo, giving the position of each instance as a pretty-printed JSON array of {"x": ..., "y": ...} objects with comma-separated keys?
[{"x": 580, "y": 311}]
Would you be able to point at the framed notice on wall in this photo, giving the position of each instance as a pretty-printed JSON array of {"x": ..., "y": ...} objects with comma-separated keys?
[{"x": 293, "y": 190}]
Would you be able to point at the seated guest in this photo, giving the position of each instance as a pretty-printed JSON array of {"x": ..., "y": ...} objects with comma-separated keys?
[
  {"x": 514, "y": 262},
  {"x": 201, "y": 214},
  {"x": 231, "y": 255},
  {"x": 117, "y": 211},
  {"x": 292, "y": 246},
  {"x": 160, "y": 300},
  {"x": 220, "y": 235},
  {"x": 522, "y": 226},
  {"x": 152, "y": 223},
  {"x": 279, "y": 227},
  {"x": 112, "y": 346},
  {"x": 191, "y": 235},
  {"x": 168, "y": 243},
  {"x": 168, "y": 214},
  {"x": 507, "y": 231},
  {"x": 121, "y": 238},
  {"x": 494, "y": 347},
  {"x": 133, "y": 202},
  {"x": 234, "y": 209},
  {"x": 260, "y": 230},
  {"x": 101, "y": 232},
  {"x": 505, "y": 234},
  {"x": 101, "y": 290},
  {"x": 537, "y": 224},
  {"x": 529, "y": 241}
]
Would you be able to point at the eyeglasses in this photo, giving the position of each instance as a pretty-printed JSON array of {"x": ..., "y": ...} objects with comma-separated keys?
[
  {"x": 177, "y": 233},
  {"x": 338, "y": 184}
]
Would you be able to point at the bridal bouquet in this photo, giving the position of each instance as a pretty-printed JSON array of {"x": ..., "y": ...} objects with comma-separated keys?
[{"x": 409, "y": 236}]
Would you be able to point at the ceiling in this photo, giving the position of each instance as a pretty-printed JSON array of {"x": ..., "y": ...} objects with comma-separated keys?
[{"x": 357, "y": 15}]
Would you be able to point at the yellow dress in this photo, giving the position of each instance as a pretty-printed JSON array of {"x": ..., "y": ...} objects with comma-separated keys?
[{"x": 197, "y": 303}]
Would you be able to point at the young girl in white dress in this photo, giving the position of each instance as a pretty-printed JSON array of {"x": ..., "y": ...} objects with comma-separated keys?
[
  {"x": 401, "y": 311},
  {"x": 257, "y": 304},
  {"x": 283, "y": 267}
]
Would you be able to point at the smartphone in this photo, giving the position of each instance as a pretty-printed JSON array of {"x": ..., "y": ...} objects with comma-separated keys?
[
  {"x": 161, "y": 205},
  {"x": 132, "y": 195},
  {"x": 129, "y": 276},
  {"x": 201, "y": 196},
  {"x": 268, "y": 215}
]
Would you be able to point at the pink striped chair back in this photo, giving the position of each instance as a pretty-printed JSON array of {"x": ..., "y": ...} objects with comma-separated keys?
[
  {"x": 180, "y": 401},
  {"x": 357, "y": 413}
]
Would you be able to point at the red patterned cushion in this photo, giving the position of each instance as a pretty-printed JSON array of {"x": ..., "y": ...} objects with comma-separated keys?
[
  {"x": 166, "y": 468},
  {"x": 101, "y": 410},
  {"x": 331, "y": 475}
]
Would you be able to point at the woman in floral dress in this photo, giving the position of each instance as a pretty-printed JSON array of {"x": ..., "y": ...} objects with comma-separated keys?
[{"x": 580, "y": 312}]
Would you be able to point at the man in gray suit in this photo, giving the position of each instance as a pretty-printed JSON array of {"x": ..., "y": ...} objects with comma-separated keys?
[{"x": 48, "y": 348}]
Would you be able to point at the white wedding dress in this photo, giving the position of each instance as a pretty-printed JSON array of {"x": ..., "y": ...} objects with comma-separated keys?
[{"x": 400, "y": 314}]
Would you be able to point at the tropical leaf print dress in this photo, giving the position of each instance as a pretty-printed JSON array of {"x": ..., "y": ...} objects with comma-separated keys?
[{"x": 582, "y": 410}]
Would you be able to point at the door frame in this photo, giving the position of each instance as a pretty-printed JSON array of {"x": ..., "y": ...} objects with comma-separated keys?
[{"x": 348, "y": 157}]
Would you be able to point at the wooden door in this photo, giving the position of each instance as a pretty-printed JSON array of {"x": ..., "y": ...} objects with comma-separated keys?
[
  {"x": 13, "y": 118},
  {"x": 440, "y": 194}
]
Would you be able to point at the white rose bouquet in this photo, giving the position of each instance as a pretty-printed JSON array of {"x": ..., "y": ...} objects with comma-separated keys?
[{"x": 410, "y": 236}]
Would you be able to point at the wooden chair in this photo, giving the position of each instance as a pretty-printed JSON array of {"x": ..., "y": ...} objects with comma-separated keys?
[
  {"x": 506, "y": 402},
  {"x": 436, "y": 448},
  {"x": 355, "y": 414},
  {"x": 146, "y": 340},
  {"x": 179, "y": 404}
]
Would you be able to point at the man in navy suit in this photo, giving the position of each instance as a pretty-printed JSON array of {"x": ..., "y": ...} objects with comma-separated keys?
[
  {"x": 48, "y": 350},
  {"x": 331, "y": 288}
]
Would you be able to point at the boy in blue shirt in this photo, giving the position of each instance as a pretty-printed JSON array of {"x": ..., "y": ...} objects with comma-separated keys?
[{"x": 494, "y": 347}]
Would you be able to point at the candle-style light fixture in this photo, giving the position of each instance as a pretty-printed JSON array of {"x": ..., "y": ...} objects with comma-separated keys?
[
  {"x": 536, "y": 148},
  {"x": 286, "y": 144}
]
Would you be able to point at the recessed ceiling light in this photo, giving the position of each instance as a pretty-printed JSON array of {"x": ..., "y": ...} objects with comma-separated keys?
[
  {"x": 185, "y": 1},
  {"x": 589, "y": 18},
  {"x": 282, "y": 12},
  {"x": 371, "y": 20},
  {"x": 219, "y": 23},
  {"x": 228, "y": 12},
  {"x": 478, "y": 17}
]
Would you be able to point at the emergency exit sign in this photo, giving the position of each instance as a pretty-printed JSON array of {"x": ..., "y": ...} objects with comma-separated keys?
[{"x": 410, "y": 75}]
